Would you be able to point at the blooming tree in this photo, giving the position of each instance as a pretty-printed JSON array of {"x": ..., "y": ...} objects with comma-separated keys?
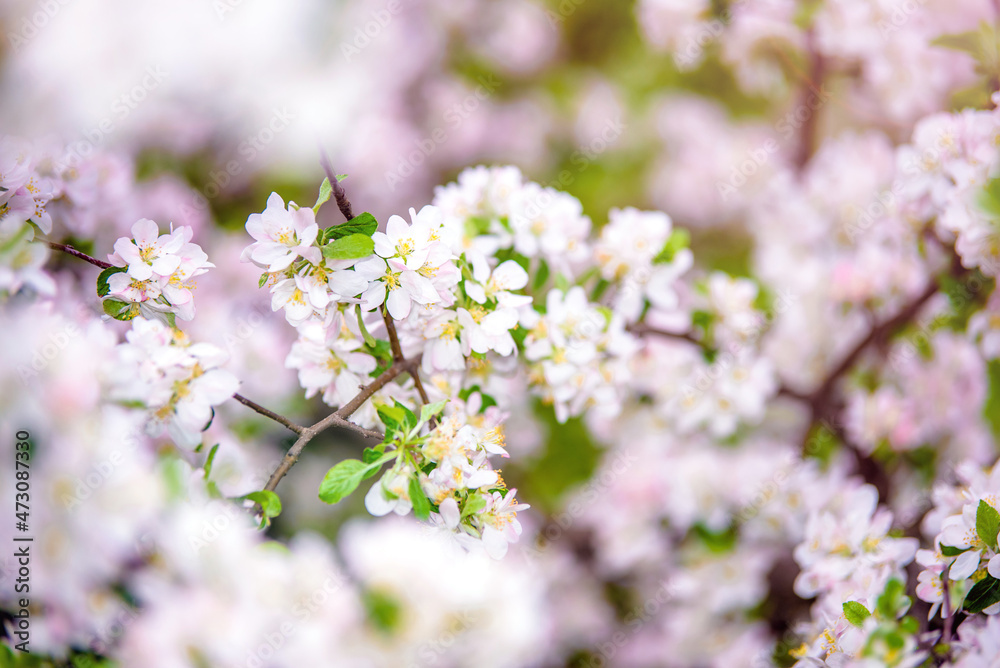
[{"x": 798, "y": 449}]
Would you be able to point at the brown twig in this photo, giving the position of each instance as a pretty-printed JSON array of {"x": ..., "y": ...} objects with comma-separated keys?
[
  {"x": 642, "y": 329},
  {"x": 338, "y": 190},
  {"x": 280, "y": 419},
  {"x": 75, "y": 253},
  {"x": 339, "y": 418}
]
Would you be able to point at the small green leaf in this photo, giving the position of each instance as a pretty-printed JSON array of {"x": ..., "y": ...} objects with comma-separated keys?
[
  {"x": 427, "y": 411},
  {"x": 987, "y": 524},
  {"x": 985, "y": 593},
  {"x": 856, "y": 613},
  {"x": 370, "y": 455},
  {"x": 541, "y": 276},
  {"x": 119, "y": 310},
  {"x": 392, "y": 417},
  {"x": 351, "y": 247},
  {"x": 262, "y": 280},
  {"x": 269, "y": 502},
  {"x": 892, "y": 602},
  {"x": 369, "y": 339},
  {"x": 210, "y": 460},
  {"x": 409, "y": 420},
  {"x": 341, "y": 480},
  {"x": 102, "y": 279},
  {"x": 364, "y": 223},
  {"x": 473, "y": 505},
  {"x": 679, "y": 240},
  {"x": 562, "y": 283},
  {"x": 325, "y": 190},
  {"x": 421, "y": 505},
  {"x": 950, "y": 551}
]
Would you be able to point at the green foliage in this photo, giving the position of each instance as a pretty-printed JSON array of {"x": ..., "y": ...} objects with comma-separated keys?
[
  {"x": 341, "y": 480},
  {"x": 679, "y": 239},
  {"x": 325, "y": 190},
  {"x": 384, "y": 611},
  {"x": 949, "y": 551},
  {"x": 120, "y": 310},
  {"x": 269, "y": 502},
  {"x": 421, "y": 504},
  {"x": 349, "y": 247},
  {"x": 987, "y": 524},
  {"x": 991, "y": 410},
  {"x": 985, "y": 593},
  {"x": 856, "y": 613},
  {"x": 102, "y": 279},
  {"x": 363, "y": 224}
]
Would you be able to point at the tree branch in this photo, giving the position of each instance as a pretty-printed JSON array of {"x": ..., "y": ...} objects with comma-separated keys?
[
  {"x": 339, "y": 418},
  {"x": 642, "y": 329},
  {"x": 338, "y": 191},
  {"x": 75, "y": 253},
  {"x": 280, "y": 419}
]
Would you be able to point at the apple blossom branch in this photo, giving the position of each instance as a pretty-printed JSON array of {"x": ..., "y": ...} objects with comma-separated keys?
[{"x": 338, "y": 419}]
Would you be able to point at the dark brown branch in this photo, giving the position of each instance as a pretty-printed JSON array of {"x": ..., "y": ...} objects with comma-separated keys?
[
  {"x": 642, "y": 329},
  {"x": 338, "y": 191},
  {"x": 339, "y": 418},
  {"x": 75, "y": 253},
  {"x": 280, "y": 419}
]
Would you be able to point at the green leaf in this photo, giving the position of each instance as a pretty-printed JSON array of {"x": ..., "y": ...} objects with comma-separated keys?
[
  {"x": 325, "y": 190},
  {"x": 856, "y": 613},
  {"x": 892, "y": 602},
  {"x": 119, "y": 310},
  {"x": 987, "y": 524},
  {"x": 269, "y": 502},
  {"x": 985, "y": 593},
  {"x": 950, "y": 551},
  {"x": 351, "y": 247},
  {"x": 473, "y": 505},
  {"x": 370, "y": 455},
  {"x": 989, "y": 198},
  {"x": 409, "y": 420},
  {"x": 341, "y": 480},
  {"x": 427, "y": 411},
  {"x": 210, "y": 460},
  {"x": 392, "y": 417},
  {"x": 262, "y": 280},
  {"x": 364, "y": 223},
  {"x": 102, "y": 279},
  {"x": 369, "y": 339},
  {"x": 384, "y": 611},
  {"x": 679, "y": 240},
  {"x": 421, "y": 505},
  {"x": 541, "y": 276},
  {"x": 562, "y": 283}
]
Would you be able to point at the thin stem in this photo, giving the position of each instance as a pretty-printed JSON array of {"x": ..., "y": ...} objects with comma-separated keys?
[
  {"x": 280, "y": 419},
  {"x": 641, "y": 329},
  {"x": 339, "y": 418},
  {"x": 338, "y": 190},
  {"x": 75, "y": 253},
  {"x": 812, "y": 87},
  {"x": 946, "y": 635}
]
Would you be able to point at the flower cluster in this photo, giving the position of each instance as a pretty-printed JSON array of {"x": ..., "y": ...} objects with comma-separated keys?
[
  {"x": 178, "y": 381},
  {"x": 965, "y": 557},
  {"x": 155, "y": 272}
]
